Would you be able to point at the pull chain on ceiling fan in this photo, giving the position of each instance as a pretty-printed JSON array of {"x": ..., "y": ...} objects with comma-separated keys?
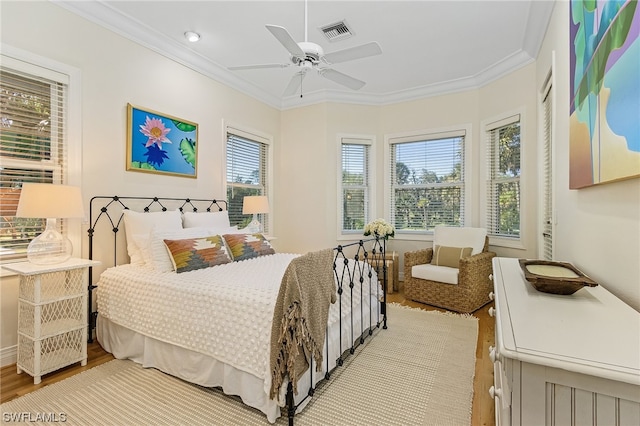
[{"x": 310, "y": 56}]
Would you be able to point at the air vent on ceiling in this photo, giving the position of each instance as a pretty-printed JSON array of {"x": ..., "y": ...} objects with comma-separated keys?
[{"x": 337, "y": 31}]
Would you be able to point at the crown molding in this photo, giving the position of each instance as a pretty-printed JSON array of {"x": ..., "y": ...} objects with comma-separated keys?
[
  {"x": 537, "y": 24},
  {"x": 104, "y": 15}
]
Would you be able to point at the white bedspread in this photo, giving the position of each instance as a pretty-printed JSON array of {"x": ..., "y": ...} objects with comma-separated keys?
[{"x": 224, "y": 312}]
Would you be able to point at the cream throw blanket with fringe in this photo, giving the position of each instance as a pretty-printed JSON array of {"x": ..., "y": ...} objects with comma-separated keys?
[{"x": 300, "y": 317}]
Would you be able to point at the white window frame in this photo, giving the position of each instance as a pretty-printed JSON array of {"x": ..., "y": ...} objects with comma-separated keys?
[
  {"x": 421, "y": 135},
  {"x": 370, "y": 208},
  {"x": 24, "y": 61},
  {"x": 547, "y": 169},
  {"x": 503, "y": 119},
  {"x": 256, "y": 136}
]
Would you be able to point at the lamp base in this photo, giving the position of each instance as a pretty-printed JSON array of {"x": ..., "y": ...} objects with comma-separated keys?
[
  {"x": 50, "y": 247},
  {"x": 254, "y": 226}
]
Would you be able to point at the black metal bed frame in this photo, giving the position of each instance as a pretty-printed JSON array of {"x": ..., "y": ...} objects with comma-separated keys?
[{"x": 369, "y": 256}]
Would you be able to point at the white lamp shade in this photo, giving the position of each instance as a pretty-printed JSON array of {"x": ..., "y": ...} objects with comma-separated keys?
[
  {"x": 46, "y": 200},
  {"x": 255, "y": 204}
]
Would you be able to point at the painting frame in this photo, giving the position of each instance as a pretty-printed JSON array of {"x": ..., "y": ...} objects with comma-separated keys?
[
  {"x": 160, "y": 143},
  {"x": 604, "y": 130}
]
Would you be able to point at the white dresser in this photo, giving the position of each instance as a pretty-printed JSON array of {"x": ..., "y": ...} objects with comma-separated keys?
[{"x": 563, "y": 360}]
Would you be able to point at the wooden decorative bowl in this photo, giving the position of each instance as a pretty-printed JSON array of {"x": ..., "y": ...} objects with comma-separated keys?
[{"x": 554, "y": 277}]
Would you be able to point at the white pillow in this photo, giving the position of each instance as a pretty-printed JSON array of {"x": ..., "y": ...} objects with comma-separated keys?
[
  {"x": 206, "y": 220},
  {"x": 142, "y": 242},
  {"x": 140, "y": 224},
  {"x": 159, "y": 256}
]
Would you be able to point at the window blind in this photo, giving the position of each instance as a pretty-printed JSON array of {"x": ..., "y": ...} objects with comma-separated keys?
[
  {"x": 427, "y": 182},
  {"x": 355, "y": 186},
  {"x": 246, "y": 175},
  {"x": 32, "y": 149},
  {"x": 503, "y": 185},
  {"x": 547, "y": 219}
]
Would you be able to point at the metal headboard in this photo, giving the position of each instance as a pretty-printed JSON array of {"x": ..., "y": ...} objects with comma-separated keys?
[{"x": 109, "y": 211}]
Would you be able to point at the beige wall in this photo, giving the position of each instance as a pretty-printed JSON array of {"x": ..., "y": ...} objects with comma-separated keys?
[
  {"x": 116, "y": 71},
  {"x": 309, "y": 148},
  {"x": 597, "y": 228}
]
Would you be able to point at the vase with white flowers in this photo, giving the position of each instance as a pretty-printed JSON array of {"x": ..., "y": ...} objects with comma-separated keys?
[{"x": 380, "y": 227}]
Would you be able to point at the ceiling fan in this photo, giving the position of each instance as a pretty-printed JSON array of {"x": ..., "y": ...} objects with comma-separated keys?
[{"x": 309, "y": 56}]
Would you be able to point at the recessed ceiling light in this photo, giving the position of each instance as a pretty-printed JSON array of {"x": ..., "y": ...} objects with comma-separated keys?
[{"x": 192, "y": 36}]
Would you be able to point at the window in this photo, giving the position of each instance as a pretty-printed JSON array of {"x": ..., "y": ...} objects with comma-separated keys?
[
  {"x": 426, "y": 181},
  {"x": 503, "y": 185},
  {"x": 547, "y": 212},
  {"x": 247, "y": 158},
  {"x": 33, "y": 128},
  {"x": 355, "y": 196}
]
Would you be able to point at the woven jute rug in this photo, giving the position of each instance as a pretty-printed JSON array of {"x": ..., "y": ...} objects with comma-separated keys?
[{"x": 417, "y": 372}]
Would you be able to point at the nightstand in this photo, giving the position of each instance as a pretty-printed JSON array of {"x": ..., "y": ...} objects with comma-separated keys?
[
  {"x": 52, "y": 315},
  {"x": 391, "y": 260}
]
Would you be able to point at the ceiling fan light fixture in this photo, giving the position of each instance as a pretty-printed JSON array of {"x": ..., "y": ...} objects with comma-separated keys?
[
  {"x": 192, "y": 36},
  {"x": 307, "y": 55}
]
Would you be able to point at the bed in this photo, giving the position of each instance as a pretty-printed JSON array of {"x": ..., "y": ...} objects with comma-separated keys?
[{"x": 223, "y": 322}]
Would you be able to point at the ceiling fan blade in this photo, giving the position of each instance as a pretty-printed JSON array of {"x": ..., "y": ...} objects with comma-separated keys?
[
  {"x": 257, "y": 66},
  {"x": 294, "y": 83},
  {"x": 286, "y": 40},
  {"x": 357, "y": 52},
  {"x": 343, "y": 79}
]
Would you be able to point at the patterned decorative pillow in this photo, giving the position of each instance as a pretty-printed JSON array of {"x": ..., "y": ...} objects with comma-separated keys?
[
  {"x": 449, "y": 256},
  {"x": 247, "y": 246},
  {"x": 197, "y": 253}
]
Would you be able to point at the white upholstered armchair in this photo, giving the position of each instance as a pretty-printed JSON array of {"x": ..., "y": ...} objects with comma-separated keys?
[{"x": 454, "y": 274}]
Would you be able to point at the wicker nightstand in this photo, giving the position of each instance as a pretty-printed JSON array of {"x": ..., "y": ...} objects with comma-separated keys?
[
  {"x": 391, "y": 260},
  {"x": 52, "y": 315},
  {"x": 392, "y": 271}
]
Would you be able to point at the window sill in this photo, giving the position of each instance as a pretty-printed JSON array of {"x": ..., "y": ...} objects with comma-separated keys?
[
  {"x": 507, "y": 243},
  {"x": 413, "y": 237}
]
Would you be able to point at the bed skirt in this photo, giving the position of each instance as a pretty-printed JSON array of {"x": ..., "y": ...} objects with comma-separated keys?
[{"x": 204, "y": 370}]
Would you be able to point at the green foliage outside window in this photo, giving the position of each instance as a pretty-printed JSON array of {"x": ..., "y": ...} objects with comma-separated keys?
[
  {"x": 506, "y": 182},
  {"x": 25, "y": 145},
  {"x": 354, "y": 201},
  {"x": 429, "y": 186}
]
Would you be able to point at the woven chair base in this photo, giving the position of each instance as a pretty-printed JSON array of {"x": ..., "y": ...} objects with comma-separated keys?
[{"x": 447, "y": 296}]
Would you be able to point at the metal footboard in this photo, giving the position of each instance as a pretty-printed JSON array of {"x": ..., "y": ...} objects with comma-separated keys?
[{"x": 369, "y": 263}]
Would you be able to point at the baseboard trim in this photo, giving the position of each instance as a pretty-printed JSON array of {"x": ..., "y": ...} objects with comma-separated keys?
[{"x": 8, "y": 355}]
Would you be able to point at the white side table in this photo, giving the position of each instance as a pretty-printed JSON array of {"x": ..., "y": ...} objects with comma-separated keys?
[{"x": 52, "y": 315}]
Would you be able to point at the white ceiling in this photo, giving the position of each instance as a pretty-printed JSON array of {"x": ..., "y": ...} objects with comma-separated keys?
[{"x": 428, "y": 47}]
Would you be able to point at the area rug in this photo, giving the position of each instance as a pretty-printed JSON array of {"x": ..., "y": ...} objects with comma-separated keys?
[{"x": 417, "y": 372}]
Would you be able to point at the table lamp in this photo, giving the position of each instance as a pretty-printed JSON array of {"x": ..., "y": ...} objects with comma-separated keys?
[
  {"x": 45, "y": 200},
  {"x": 255, "y": 204}
]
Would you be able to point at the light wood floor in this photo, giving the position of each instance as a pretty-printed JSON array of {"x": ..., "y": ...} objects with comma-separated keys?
[{"x": 13, "y": 385}]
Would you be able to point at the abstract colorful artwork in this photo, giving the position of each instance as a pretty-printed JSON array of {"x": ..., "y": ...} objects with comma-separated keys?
[
  {"x": 604, "y": 129},
  {"x": 158, "y": 143}
]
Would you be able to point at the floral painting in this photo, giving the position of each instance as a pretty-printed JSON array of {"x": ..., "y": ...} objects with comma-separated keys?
[
  {"x": 604, "y": 135},
  {"x": 158, "y": 143}
]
